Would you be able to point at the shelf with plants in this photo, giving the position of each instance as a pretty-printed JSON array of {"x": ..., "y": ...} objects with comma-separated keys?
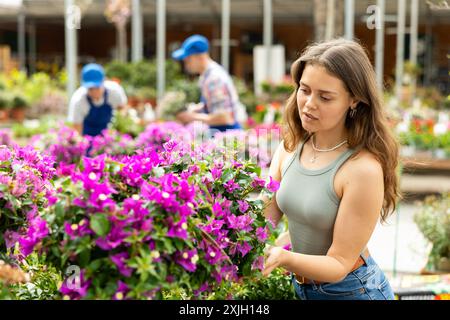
[
  {"x": 32, "y": 96},
  {"x": 277, "y": 91},
  {"x": 425, "y": 142}
]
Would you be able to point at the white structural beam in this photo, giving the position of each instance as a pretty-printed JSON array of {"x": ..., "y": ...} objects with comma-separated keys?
[
  {"x": 21, "y": 34},
  {"x": 349, "y": 19},
  {"x": 329, "y": 30},
  {"x": 414, "y": 38},
  {"x": 161, "y": 46},
  {"x": 268, "y": 35},
  {"x": 400, "y": 48},
  {"x": 379, "y": 44},
  {"x": 137, "y": 31},
  {"x": 225, "y": 53},
  {"x": 32, "y": 47},
  {"x": 72, "y": 16}
]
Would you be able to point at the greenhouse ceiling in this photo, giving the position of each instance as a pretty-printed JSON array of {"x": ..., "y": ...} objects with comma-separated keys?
[{"x": 201, "y": 10}]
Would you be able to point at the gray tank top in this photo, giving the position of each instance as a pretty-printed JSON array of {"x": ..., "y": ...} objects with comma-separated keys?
[{"x": 308, "y": 200}]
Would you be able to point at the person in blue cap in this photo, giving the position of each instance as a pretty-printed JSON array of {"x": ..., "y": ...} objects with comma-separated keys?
[
  {"x": 220, "y": 107},
  {"x": 92, "y": 105}
]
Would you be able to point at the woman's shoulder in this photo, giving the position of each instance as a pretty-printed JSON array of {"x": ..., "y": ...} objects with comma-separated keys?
[
  {"x": 283, "y": 152},
  {"x": 282, "y": 156},
  {"x": 363, "y": 165}
]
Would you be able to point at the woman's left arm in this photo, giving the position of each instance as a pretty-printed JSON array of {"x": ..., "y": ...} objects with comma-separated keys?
[{"x": 358, "y": 214}]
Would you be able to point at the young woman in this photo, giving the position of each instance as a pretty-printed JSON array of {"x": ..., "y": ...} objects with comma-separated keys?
[{"x": 337, "y": 171}]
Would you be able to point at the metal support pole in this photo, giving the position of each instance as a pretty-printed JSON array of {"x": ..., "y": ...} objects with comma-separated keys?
[
  {"x": 379, "y": 45},
  {"x": 268, "y": 35},
  {"x": 329, "y": 31},
  {"x": 70, "y": 27},
  {"x": 32, "y": 47},
  {"x": 413, "y": 42},
  {"x": 349, "y": 19},
  {"x": 137, "y": 31},
  {"x": 21, "y": 40},
  {"x": 225, "y": 54},
  {"x": 161, "y": 46},
  {"x": 400, "y": 48}
]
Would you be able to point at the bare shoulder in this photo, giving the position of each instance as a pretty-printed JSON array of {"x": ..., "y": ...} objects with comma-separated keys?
[
  {"x": 278, "y": 160},
  {"x": 284, "y": 154},
  {"x": 363, "y": 166},
  {"x": 362, "y": 170}
]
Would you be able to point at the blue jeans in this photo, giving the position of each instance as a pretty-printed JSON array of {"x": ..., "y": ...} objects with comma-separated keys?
[{"x": 367, "y": 282}]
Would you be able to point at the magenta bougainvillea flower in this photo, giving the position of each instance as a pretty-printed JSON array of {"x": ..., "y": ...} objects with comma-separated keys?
[
  {"x": 65, "y": 144},
  {"x": 243, "y": 205},
  {"x": 75, "y": 287},
  {"x": 25, "y": 189},
  {"x": 6, "y": 138},
  {"x": 119, "y": 260},
  {"x": 115, "y": 237},
  {"x": 261, "y": 234},
  {"x": 178, "y": 229},
  {"x": 37, "y": 230},
  {"x": 164, "y": 214},
  {"x": 112, "y": 143},
  {"x": 272, "y": 185},
  {"x": 77, "y": 230},
  {"x": 187, "y": 259},
  {"x": 121, "y": 292},
  {"x": 11, "y": 237}
]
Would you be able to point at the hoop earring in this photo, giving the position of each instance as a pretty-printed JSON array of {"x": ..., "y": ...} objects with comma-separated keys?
[{"x": 352, "y": 113}]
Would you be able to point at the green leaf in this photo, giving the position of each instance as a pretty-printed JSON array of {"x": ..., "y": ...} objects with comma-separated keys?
[
  {"x": 168, "y": 245},
  {"x": 59, "y": 209},
  {"x": 94, "y": 265},
  {"x": 84, "y": 257},
  {"x": 253, "y": 168},
  {"x": 100, "y": 224},
  {"x": 227, "y": 174}
]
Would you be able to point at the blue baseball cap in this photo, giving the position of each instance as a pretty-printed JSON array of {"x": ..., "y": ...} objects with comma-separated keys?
[
  {"x": 193, "y": 45},
  {"x": 92, "y": 75}
]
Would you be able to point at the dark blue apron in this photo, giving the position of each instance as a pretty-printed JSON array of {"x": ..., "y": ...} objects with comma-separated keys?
[{"x": 98, "y": 117}]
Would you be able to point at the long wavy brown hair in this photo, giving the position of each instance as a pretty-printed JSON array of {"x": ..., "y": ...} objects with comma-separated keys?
[{"x": 368, "y": 129}]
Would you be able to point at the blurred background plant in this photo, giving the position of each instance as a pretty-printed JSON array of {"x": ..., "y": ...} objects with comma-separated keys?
[
  {"x": 10, "y": 276},
  {"x": 44, "y": 280},
  {"x": 433, "y": 220}
]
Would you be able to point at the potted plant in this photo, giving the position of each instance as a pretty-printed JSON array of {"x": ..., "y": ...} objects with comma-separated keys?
[
  {"x": 5, "y": 104},
  {"x": 172, "y": 103},
  {"x": 443, "y": 143},
  {"x": 282, "y": 90},
  {"x": 433, "y": 220},
  {"x": 147, "y": 95},
  {"x": 18, "y": 107}
]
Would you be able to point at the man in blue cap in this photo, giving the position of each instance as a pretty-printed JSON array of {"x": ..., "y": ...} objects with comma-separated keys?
[
  {"x": 92, "y": 105},
  {"x": 220, "y": 106}
]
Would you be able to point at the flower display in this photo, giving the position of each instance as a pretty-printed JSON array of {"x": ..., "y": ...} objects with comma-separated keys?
[
  {"x": 25, "y": 189},
  {"x": 65, "y": 144},
  {"x": 164, "y": 216},
  {"x": 140, "y": 217},
  {"x": 6, "y": 137},
  {"x": 113, "y": 143}
]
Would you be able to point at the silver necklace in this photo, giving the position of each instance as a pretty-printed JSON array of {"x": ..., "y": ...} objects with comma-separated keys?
[{"x": 314, "y": 158}]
